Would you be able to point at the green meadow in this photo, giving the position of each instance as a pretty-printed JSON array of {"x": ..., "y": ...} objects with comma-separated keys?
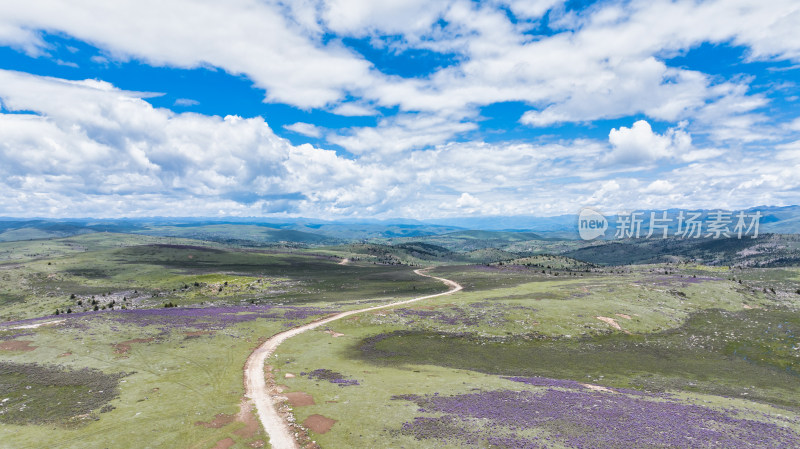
[{"x": 139, "y": 341}]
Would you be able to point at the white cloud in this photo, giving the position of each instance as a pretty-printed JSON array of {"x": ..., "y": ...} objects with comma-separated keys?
[
  {"x": 106, "y": 141},
  {"x": 659, "y": 186},
  {"x": 609, "y": 64},
  {"x": 604, "y": 62},
  {"x": 467, "y": 201},
  {"x": 361, "y": 17},
  {"x": 531, "y": 9},
  {"x": 90, "y": 148},
  {"x": 639, "y": 144},
  {"x": 186, "y": 102},
  {"x": 240, "y": 36},
  {"x": 401, "y": 133},
  {"x": 353, "y": 110},
  {"x": 306, "y": 129}
]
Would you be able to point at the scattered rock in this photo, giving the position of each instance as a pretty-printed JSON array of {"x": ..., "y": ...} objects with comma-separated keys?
[{"x": 596, "y": 387}]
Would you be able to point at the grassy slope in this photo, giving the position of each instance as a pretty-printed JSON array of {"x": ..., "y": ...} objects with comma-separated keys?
[
  {"x": 503, "y": 312},
  {"x": 200, "y": 377},
  {"x": 177, "y": 379},
  {"x": 186, "y": 275},
  {"x": 176, "y": 382}
]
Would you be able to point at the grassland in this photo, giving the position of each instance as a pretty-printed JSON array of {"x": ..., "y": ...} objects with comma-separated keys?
[
  {"x": 683, "y": 339},
  {"x": 173, "y": 374},
  {"x": 538, "y": 350},
  {"x": 170, "y": 377},
  {"x": 82, "y": 272}
]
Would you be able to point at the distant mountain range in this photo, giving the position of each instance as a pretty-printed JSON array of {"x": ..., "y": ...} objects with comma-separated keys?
[
  {"x": 782, "y": 220},
  {"x": 785, "y": 220}
]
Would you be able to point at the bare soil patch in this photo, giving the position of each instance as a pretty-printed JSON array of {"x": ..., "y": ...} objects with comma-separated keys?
[
  {"x": 319, "y": 423},
  {"x": 300, "y": 399},
  {"x": 39, "y": 324},
  {"x": 610, "y": 321},
  {"x": 124, "y": 346},
  {"x": 198, "y": 333},
  {"x": 251, "y": 424},
  {"x": 220, "y": 420},
  {"x": 17, "y": 345},
  {"x": 224, "y": 444}
]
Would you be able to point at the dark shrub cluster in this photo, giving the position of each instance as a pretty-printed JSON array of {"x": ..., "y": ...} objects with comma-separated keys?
[
  {"x": 39, "y": 394},
  {"x": 331, "y": 376}
]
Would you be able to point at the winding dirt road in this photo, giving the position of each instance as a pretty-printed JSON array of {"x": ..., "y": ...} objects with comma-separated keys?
[{"x": 256, "y": 388}]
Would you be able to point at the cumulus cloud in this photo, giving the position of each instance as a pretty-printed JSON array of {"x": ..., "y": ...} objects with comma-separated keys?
[
  {"x": 362, "y": 17},
  {"x": 86, "y": 147},
  {"x": 306, "y": 129},
  {"x": 659, "y": 186},
  {"x": 639, "y": 144},
  {"x": 467, "y": 201},
  {"x": 89, "y": 138},
  {"x": 401, "y": 133},
  {"x": 246, "y": 37},
  {"x": 603, "y": 62}
]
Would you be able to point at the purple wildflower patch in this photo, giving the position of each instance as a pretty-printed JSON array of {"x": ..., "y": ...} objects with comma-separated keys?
[
  {"x": 589, "y": 419},
  {"x": 331, "y": 376},
  {"x": 182, "y": 318},
  {"x": 212, "y": 318}
]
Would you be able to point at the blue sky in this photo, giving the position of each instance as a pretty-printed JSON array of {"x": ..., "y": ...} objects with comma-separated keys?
[{"x": 416, "y": 109}]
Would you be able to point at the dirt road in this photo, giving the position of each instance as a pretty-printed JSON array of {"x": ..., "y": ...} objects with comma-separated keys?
[{"x": 257, "y": 389}]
